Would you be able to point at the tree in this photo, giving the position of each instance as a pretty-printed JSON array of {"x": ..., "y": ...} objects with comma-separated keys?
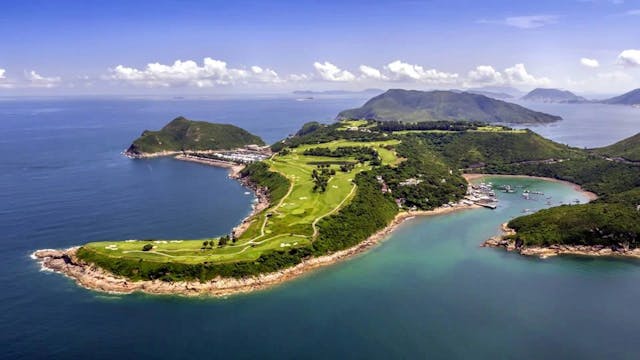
[{"x": 147, "y": 247}]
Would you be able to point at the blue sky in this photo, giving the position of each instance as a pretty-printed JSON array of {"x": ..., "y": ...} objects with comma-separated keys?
[{"x": 98, "y": 47}]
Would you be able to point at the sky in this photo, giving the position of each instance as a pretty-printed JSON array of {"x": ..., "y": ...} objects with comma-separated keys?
[{"x": 219, "y": 47}]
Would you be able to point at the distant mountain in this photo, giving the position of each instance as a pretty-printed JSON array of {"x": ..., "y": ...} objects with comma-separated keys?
[
  {"x": 511, "y": 91},
  {"x": 628, "y": 149},
  {"x": 553, "y": 96},
  {"x": 183, "y": 134},
  {"x": 630, "y": 98},
  {"x": 413, "y": 106},
  {"x": 337, "y": 92},
  {"x": 493, "y": 95}
]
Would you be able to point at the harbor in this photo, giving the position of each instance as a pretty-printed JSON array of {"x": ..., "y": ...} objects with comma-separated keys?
[{"x": 481, "y": 194}]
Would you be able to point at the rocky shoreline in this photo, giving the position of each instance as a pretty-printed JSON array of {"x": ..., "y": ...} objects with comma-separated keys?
[
  {"x": 544, "y": 252},
  {"x": 92, "y": 277}
]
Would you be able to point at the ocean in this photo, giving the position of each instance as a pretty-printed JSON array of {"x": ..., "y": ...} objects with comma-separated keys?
[{"x": 429, "y": 290}]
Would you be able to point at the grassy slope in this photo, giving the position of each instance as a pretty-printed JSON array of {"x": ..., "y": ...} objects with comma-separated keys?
[
  {"x": 628, "y": 148},
  {"x": 183, "y": 134},
  {"x": 412, "y": 105},
  {"x": 496, "y": 147},
  {"x": 588, "y": 224}
]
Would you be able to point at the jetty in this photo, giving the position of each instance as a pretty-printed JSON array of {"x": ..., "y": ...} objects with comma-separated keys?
[{"x": 482, "y": 194}]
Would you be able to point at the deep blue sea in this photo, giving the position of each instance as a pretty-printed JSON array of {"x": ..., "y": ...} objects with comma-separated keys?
[{"x": 429, "y": 291}]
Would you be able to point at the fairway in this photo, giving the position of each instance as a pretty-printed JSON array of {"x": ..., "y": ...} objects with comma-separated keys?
[
  {"x": 488, "y": 128},
  {"x": 291, "y": 222}
]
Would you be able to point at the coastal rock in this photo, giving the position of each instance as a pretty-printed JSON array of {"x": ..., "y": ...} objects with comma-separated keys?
[
  {"x": 544, "y": 252},
  {"x": 95, "y": 278}
]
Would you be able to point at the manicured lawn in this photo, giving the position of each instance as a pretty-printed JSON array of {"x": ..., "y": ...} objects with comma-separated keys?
[
  {"x": 286, "y": 224},
  {"x": 346, "y": 124}
]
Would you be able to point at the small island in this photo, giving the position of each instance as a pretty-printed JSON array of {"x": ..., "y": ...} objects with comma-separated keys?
[{"x": 332, "y": 191}]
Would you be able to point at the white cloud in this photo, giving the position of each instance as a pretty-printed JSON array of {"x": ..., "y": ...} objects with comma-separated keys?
[
  {"x": 330, "y": 72},
  {"x": 518, "y": 75},
  {"x": 485, "y": 75},
  {"x": 524, "y": 22},
  {"x": 405, "y": 71},
  {"x": 4, "y": 82},
  {"x": 591, "y": 63},
  {"x": 371, "y": 73},
  {"x": 189, "y": 73},
  {"x": 630, "y": 58},
  {"x": 300, "y": 77},
  {"x": 37, "y": 80},
  {"x": 265, "y": 75}
]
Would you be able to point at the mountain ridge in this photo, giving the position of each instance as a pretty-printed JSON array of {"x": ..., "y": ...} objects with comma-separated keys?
[{"x": 417, "y": 106}]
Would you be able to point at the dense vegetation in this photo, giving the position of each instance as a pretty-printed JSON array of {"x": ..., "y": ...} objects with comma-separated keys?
[
  {"x": 413, "y": 106},
  {"x": 182, "y": 134},
  {"x": 436, "y": 183},
  {"x": 360, "y": 153},
  {"x": 617, "y": 183},
  {"x": 260, "y": 175},
  {"x": 368, "y": 212},
  {"x": 494, "y": 149},
  {"x": 316, "y": 133},
  {"x": 403, "y": 165},
  {"x": 428, "y": 125},
  {"x": 628, "y": 149},
  {"x": 610, "y": 225}
]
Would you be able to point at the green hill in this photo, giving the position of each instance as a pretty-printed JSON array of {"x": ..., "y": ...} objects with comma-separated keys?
[
  {"x": 588, "y": 224},
  {"x": 413, "y": 106},
  {"x": 628, "y": 149},
  {"x": 183, "y": 134},
  {"x": 496, "y": 148}
]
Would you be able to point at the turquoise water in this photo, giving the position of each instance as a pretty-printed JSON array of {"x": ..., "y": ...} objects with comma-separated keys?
[{"x": 429, "y": 290}]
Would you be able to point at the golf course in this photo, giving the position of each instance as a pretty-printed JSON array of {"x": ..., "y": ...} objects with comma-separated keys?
[{"x": 288, "y": 222}]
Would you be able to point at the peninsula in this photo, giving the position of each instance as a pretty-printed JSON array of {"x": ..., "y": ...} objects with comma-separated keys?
[{"x": 316, "y": 187}]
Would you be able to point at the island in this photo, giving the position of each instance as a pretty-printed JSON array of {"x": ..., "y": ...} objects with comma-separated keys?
[
  {"x": 182, "y": 136},
  {"x": 553, "y": 96},
  {"x": 331, "y": 191}
]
